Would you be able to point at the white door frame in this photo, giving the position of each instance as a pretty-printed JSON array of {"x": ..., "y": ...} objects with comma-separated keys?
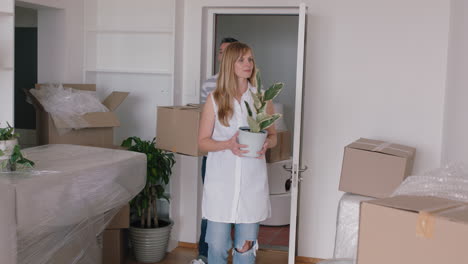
[{"x": 206, "y": 72}]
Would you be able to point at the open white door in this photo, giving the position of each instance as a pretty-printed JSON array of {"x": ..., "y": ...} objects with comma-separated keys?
[
  {"x": 207, "y": 68},
  {"x": 296, "y": 166}
]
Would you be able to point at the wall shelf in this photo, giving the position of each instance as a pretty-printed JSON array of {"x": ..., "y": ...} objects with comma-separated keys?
[
  {"x": 132, "y": 31},
  {"x": 136, "y": 71},
  {"x": 3, "y": 13}
]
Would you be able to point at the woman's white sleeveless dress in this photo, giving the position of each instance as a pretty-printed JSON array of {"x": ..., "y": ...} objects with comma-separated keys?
[{"x": 235, "y": 188}]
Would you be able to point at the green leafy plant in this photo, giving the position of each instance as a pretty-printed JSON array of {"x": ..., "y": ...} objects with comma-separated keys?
[
  {"x": 158, "y": 171},
  {"x": 8, "y": 133},
  {"x": 263, "y": 120},
  {"x": 17, "y": 158}
]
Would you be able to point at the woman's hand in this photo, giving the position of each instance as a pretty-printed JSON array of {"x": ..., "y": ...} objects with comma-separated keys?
[
  {"x": 236, "y": 147},
  {"x": 261, "y": 153}
]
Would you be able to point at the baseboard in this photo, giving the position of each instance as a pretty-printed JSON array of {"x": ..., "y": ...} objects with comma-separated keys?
[
  {"x": 304, "y": 260},
  {"x": 173, "y": 244},
  {"x": 188, "y": 245}
]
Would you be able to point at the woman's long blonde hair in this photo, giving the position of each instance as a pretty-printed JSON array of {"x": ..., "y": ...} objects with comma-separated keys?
[{"x": 226, "y": 86}]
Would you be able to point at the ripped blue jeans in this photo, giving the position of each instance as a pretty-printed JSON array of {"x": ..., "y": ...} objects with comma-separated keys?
[{"x": 218, "y": 237}]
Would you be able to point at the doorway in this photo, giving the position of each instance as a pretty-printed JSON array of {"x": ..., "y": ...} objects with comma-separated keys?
[
  {"x": 25, "y": 72},
  {"x": 38, "y": 51},
  {"x": 273, "y": 39}
]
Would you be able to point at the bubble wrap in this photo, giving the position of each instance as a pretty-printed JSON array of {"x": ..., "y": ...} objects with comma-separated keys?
[
  {"x": 67, "y": 105},
  {"x": 347, "y": 227},
  {"x": 450, "y": 182}
]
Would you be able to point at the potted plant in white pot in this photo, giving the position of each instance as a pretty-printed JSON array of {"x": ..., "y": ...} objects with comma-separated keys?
[
  {"x": 149, "y": 235},
  {"x": 10, "y": 153},
  {"x": 255, "y": 134}
]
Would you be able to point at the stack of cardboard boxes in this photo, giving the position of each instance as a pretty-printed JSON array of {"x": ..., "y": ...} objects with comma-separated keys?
[
  {"x": 400, "y": 229},
  {"x": 371, "y": 169},
  {"x": 114, "y": 247}
]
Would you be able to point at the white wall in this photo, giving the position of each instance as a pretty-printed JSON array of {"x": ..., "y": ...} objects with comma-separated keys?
[
  {"x": 455, "y": 127},
  {"x": 60, "y": 39},
  {"x": 6, "y": 62},
  {"x": 129, "y": 47},
  {"x": 373, "y": 69}
]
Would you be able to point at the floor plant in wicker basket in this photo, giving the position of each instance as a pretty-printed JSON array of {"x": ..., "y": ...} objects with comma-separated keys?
[{"x": 149, "y": 235}]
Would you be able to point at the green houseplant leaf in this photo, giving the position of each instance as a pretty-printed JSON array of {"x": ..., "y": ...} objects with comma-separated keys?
[
  {"x": 259, "y": 82},
  {"x": 253, "y": 124},
  {"x": 268, "y": 122},
  {"x": 273, "y": 91},
  {"x": 249, "y": 111},
  {"x": 262, "y": 119},
  {"x": 257, "y": 101},
  {"x": 8, "y": 133}
]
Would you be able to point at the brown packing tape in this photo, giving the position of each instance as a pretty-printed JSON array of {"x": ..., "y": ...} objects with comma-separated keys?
[
  {"x": 426, "y": 219},
  {"x": 425, "y": 225},
  {"x": 378, "y": 147}
]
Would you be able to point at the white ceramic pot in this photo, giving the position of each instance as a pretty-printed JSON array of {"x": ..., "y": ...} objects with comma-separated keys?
[
  {"x": 254, "y": 141},
  {"x": 7, "y": 146}
]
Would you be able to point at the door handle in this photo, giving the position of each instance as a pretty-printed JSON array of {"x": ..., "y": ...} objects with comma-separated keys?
[
  {"x": 289, "y": 169},
  {"x": 302, "y": 169}
]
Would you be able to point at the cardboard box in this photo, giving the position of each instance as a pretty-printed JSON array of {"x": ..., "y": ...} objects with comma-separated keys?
[
  {"x": 282, "y": 150},
  {"x": 114, "y": 247},
  {"x": 177, "y": 129},
  {"x": 100, "y": 132},
  {"x": 375, "y": 168},
  {"x": 121, "y": 219},
  {"x": 411, "y": 229}
]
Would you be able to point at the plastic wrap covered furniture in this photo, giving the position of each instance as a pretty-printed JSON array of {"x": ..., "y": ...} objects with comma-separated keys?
[
  {"x": 347, "y": 229},
  {"x": 347, "y": 225},
  {"x": 55, "y": 212}
]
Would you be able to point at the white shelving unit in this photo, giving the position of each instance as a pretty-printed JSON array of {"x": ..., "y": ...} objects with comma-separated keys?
[
  {"x": 6, "y": 13},
  {"x": 132, "y": 31},
  {"x": 7, "y": 21},
  {"x": 136, "y": 71},
  {"x": 129, "y": 46}
]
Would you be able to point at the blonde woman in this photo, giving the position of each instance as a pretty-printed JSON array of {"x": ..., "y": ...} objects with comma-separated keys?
[{"x": 236, "y": 187}]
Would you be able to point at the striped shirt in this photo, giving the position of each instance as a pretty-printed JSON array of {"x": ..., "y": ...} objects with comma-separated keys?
[{"x": 207, "y": 87}]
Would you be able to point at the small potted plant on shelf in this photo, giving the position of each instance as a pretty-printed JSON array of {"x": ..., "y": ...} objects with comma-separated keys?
[
  {"x": 254, "y": 135},
  {"x": 149, "y": 235},
  {"x": 10, "y": 154}
]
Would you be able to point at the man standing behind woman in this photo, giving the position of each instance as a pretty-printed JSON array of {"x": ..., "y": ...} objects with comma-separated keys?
[
  {"x": 236, "y": 187},
  {"x": 208, "y": 86}
]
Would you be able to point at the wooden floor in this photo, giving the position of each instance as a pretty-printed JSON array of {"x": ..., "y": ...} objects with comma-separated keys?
[{"x": 182, "y": 255}]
